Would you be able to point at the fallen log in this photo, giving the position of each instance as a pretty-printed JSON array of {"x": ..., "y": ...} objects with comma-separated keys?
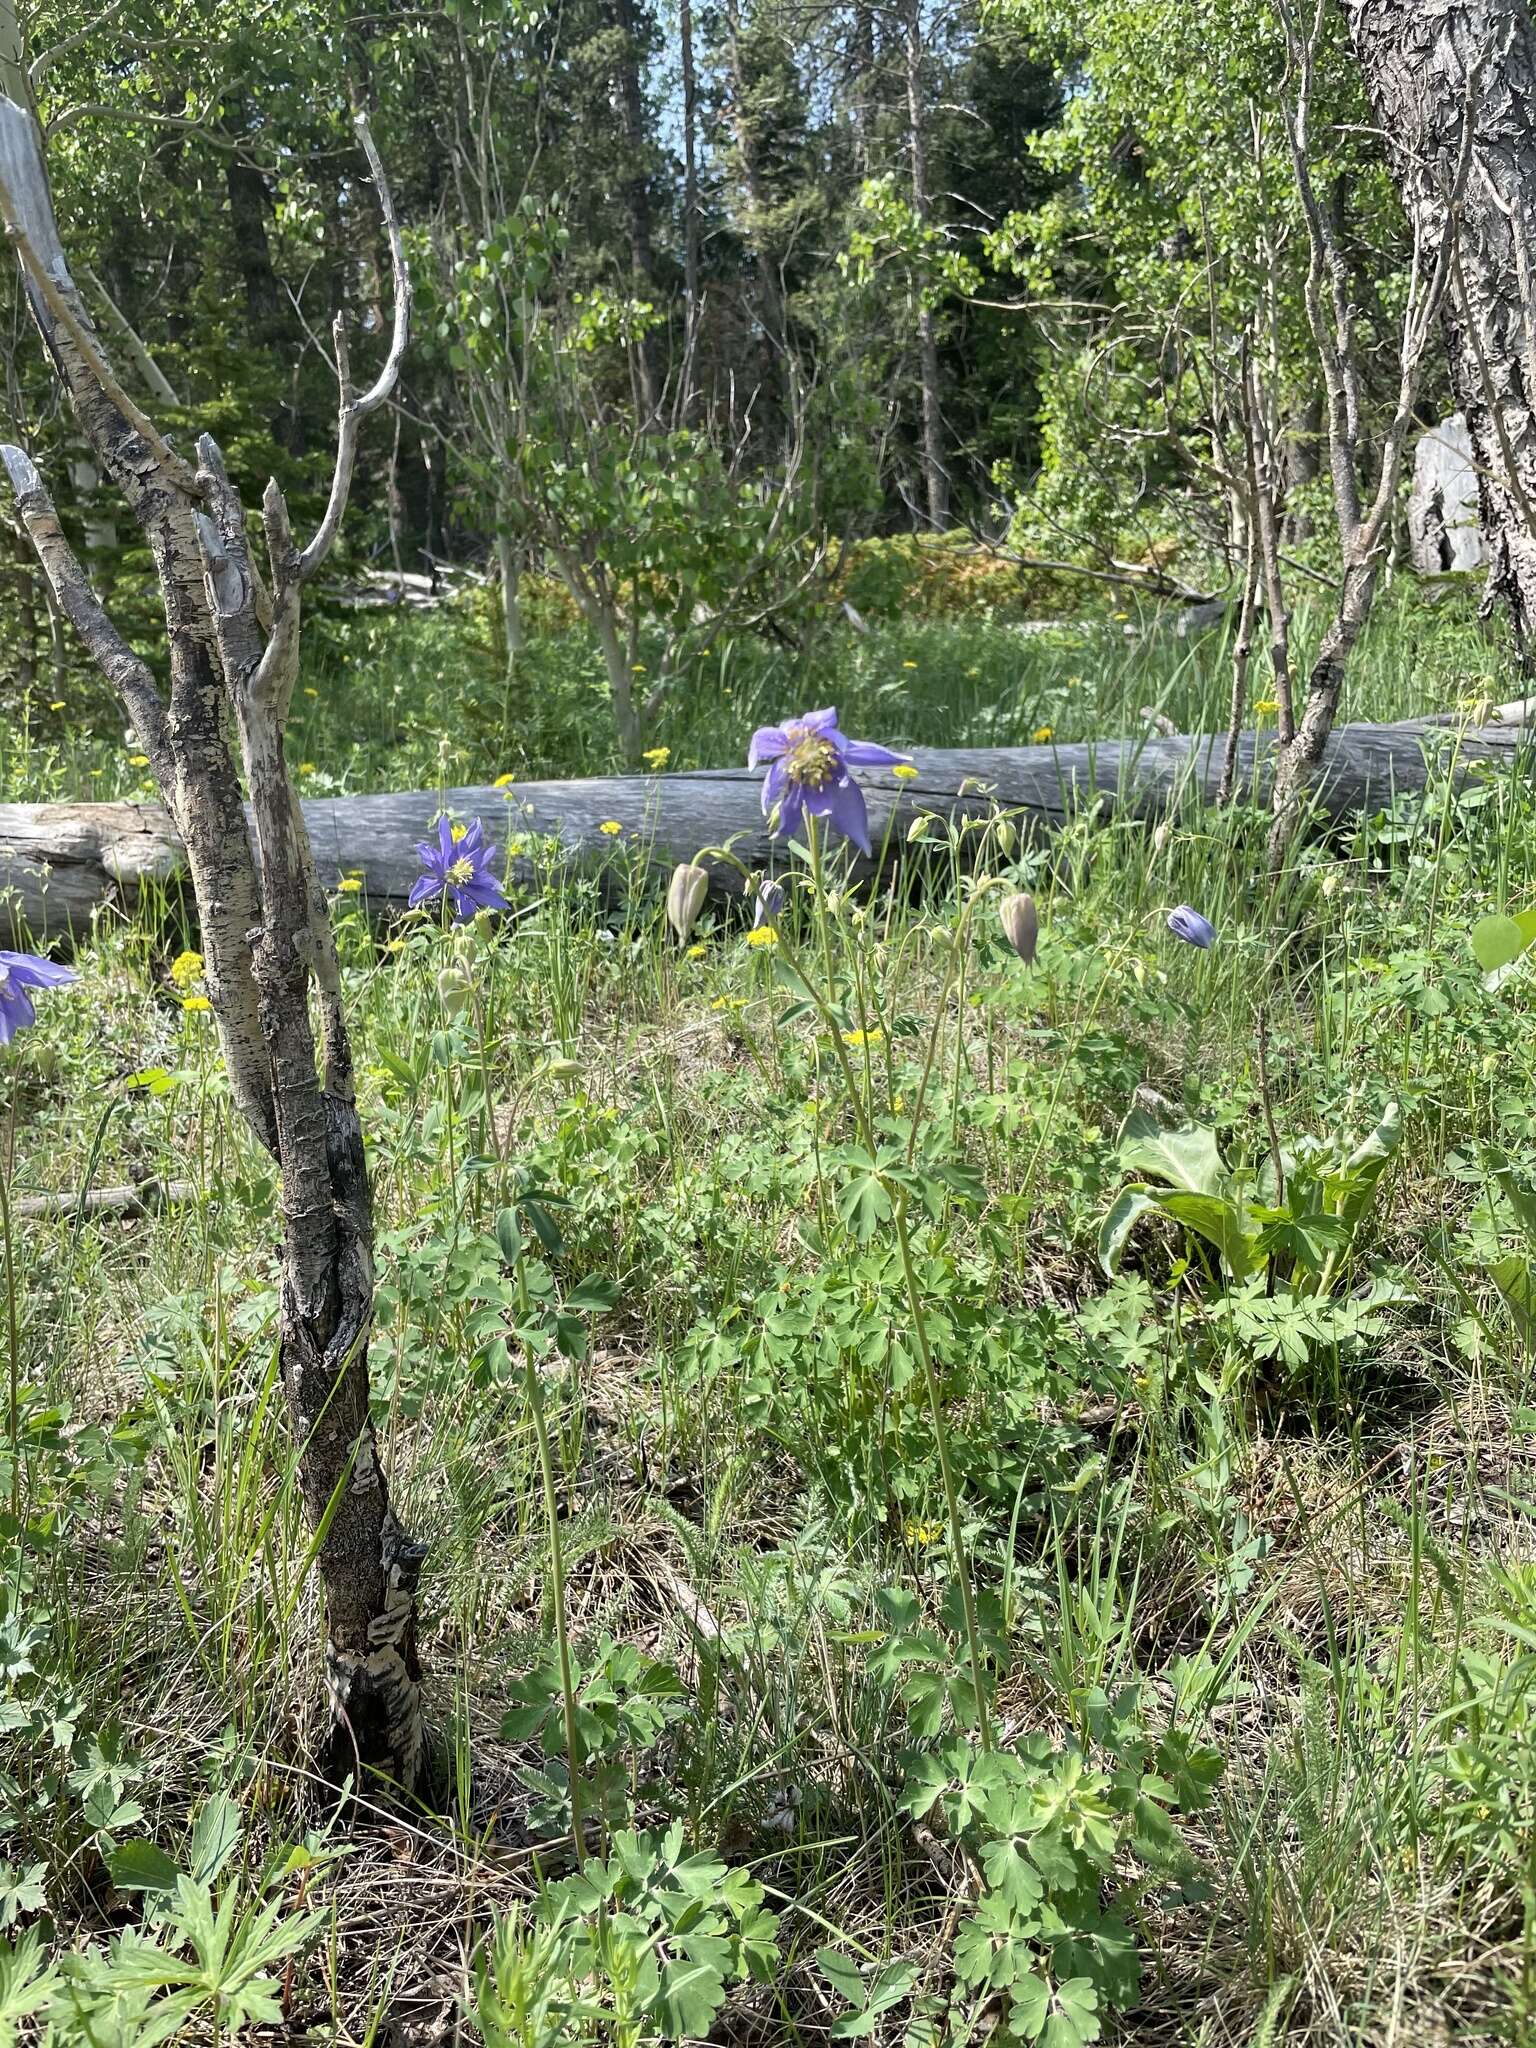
[{"x": 60, "y": 862}]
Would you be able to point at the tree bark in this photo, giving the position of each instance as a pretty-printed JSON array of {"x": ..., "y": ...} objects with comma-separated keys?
[
  {"x": 233, "y": 644},
  {"x": 935, "y": 472},
  {"x": 1417, "y": 58},
  {"x": 60, "y": 862}
]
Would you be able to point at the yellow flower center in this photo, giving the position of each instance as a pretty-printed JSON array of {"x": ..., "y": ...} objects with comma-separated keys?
[
  {"x": 811, "y": 761},
  {"x": 462, "y": 871}
]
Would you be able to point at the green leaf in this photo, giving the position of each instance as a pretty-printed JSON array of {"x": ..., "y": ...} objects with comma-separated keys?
[
  {"x": 842, "y": 1973},
  {"x": 1515, "y": 1278},
  {"x": 691, "y": 1994},
  {"x": 215, "y": 1837},
  {"x": 595, "y": 1294},
  {"x": 1131, "y": 1204},
  {"x": 1186, "y": 1158},
  {"x": 394, "y": 1065},
  {"x": 863, "y": 1203},
  {"x": 1496, "y": 941},
  {"x": 1010, "y": 1873},
  {"x": 1219, "y": 1222},
  {"x": 1519, "y": 1197},
  {"x": 142, "y": 1867},
  {"x": 26, "y": 1984}
]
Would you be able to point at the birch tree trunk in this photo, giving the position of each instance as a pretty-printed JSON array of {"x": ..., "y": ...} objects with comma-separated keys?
[
  {"x": 935, "y": 474},
  {"x": 233, "y": 646},
  {"x": 1419, "y": 60}
]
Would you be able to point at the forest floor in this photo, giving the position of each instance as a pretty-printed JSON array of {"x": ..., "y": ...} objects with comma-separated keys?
[{"x": 814, "y": 1256}]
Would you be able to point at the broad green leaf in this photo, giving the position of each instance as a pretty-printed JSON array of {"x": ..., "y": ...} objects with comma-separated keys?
[
  {"x": 141, "y": 1867},
  {"x": 1130, "y": 1205},
  {"x": 595, "y": 1294},
  {"x": 842, "y": 1973},
  {"x": 1496, "y": 940},
  {"x": 1219, "y": 1222},
  {"x": 1515, "y": 1278},
  {"x": 1519, "y": 1197},
  {"x": 1186, "y": 1157}
]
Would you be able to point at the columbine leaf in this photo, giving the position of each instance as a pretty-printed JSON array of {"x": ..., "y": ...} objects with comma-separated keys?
[
  {"x": 1010, "y": 1873},
  {"x": 690, "y": 1996}
]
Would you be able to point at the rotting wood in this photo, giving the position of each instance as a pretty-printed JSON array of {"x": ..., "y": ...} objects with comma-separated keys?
[{"x": 60, "y": 862}]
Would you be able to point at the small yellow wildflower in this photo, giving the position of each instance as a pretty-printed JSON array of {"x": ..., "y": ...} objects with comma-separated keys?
[
  {"x": 309, "y": 692},
  {"x": 1266, "y": 707},
  {"x": 859, "y": 1038},
  {"x": 349, "y": 885},
  {"x": 656, "y": 757},
  {"x": 138, "y": 760},
  {"x": 1044, "y": 734},
  {"x": 187, "y": 968},
  {"x": 1121, "y": 617},
  {"x": 196, "y": 1003},
  {"x": 98, "y": 771},
  {"x": 57, "y": 705},
  {"x": 611, "y": 828},
  {"x": 696, "y": 952},
  {"x": 764, "y": 935},
  {"x": 923, "y": 1532},
  {"x": 637, "y": 668},
  {"x": 306, "y": 767},
  {"x": 729, "y": 1003},
  {"x": 909, "y": 664},
  {"x": 502, "y": 782},
  {"x": 904, "y": 771}
]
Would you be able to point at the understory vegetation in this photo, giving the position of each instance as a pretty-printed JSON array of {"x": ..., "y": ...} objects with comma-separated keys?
[{"x": 979, "y": 1600}]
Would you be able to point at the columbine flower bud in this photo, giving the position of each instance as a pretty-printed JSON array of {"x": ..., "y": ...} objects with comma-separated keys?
[
  {"x": 452, "y": 990},
  {"x": 770, "y": 903},
  {"x": 685, "y": 897},
  {"x": 1191, "y": 927},
  {"x": 1021, "y": 924}
]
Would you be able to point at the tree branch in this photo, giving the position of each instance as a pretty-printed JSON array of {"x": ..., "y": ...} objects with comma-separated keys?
[{"x": 354, "y": 410}]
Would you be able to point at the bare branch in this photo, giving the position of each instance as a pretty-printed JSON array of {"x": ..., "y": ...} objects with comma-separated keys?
[
  {"x": 354, "y": 410},
  {"x": 177, "y": 469},
  {"x": 144, "y": 362},
  {"x": 81, "y": 606}
]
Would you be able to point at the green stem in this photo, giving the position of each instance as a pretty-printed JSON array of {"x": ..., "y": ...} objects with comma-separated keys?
[
  {"x": 13, "y": 1334},
  {"x": 557, "y": 1595},
  {"x": 951, "y": 1497}
]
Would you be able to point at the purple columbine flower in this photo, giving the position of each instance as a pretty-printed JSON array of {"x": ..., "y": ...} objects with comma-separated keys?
[
  {"x": 1190, "y": 926},
  {"x": 810, "y": 761},
  {"x": 20, "y": 973},
  {"x": 462, "y": 866}
]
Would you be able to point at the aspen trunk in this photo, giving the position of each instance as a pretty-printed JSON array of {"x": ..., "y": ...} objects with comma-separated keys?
[
  {"x": 233, "y": 648},
  {"x": 1423, "y": 63}
]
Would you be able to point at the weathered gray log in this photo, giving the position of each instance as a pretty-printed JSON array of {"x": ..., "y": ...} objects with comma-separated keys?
[
  {"x": 59, "y": 862},
  {"x": 142, "y": 1198}
]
